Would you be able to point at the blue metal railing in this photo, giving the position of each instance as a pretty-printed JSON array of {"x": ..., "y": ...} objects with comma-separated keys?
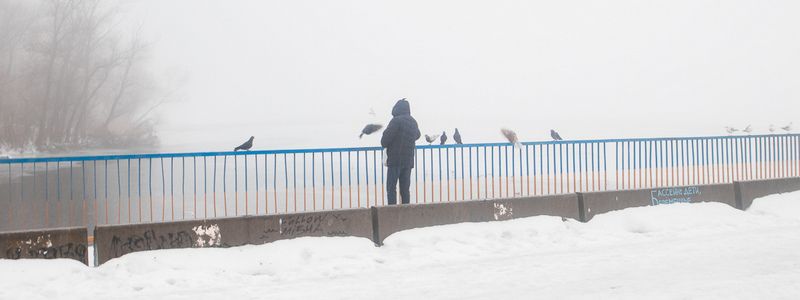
[{"x": 123, "y": 189}]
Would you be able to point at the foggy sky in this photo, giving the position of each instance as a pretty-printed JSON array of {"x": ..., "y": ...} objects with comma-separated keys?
[{"x": 305, "y": 73}]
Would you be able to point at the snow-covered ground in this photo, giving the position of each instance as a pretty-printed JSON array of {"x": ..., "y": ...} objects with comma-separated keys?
[{"x": 680, "y": 251}]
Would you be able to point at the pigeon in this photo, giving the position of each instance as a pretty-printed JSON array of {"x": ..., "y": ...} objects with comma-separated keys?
[
  {"x": 771, "y": 128},
  {"x": 246, "y": 146},
  {"x": 730, "y": 130},
  {"x": 787, "y": 128},
  {"x": 457, "y": 137},
  {"x": 370, "y": 129},
  {"x": 555, "y": 135},
  {"x": 443, "y": 138},
  {"x": 748, "y": 129},
  {"x": 511, "y": 136},
  {"x": 431, "y": 138}
]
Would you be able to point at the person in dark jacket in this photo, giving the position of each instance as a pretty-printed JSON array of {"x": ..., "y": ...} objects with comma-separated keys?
[{"x": 399, "y": 139}]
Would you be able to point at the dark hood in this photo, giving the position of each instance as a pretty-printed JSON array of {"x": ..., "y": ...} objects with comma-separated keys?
[{"x": 401, "y": 108}]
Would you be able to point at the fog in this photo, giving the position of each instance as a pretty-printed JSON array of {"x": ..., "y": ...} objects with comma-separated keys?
[{"x": 306, "y": 73}]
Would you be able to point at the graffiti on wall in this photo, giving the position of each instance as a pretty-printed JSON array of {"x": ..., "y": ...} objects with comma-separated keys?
[
  {"x": 322, "y": 224},
  {"x": 42, "y": 246},
  {"x": 673, "y": 195}
]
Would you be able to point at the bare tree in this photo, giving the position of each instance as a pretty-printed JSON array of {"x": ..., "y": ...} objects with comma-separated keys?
[{"x": 69, "y": 78}]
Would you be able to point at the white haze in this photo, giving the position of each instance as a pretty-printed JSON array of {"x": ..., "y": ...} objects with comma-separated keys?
[{"x": 306, "y": 73}]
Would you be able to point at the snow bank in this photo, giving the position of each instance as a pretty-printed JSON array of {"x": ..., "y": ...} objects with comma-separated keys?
[{"x": 617, "y": 247}]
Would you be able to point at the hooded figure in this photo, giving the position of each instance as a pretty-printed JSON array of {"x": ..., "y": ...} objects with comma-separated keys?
[{"x": 399, "y": 139}]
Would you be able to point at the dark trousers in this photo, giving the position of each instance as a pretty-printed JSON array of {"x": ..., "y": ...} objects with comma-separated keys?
[{"x": 395, "y": 174}]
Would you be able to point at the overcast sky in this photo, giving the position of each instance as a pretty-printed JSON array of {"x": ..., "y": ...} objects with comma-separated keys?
[{"x": 305, "y": 73}]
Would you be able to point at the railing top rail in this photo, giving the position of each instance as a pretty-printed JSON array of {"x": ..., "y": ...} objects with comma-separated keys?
[{"x": 355, "y": 149}]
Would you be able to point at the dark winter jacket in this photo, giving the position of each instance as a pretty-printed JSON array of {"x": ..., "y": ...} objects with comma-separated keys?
[{"x": 400, "y": 136}]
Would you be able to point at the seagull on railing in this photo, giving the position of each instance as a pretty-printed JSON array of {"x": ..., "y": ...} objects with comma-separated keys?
[
  {"x": 731, "y": 130},
  {"x": 787, "y": 128},
  {"x": 555, "y": 135},
  {"x": 457, "y": 137},
  {"x": 431, "y": 138},
  {"x": 246, "y": 146},
  {"x": 369, "y": 129},
  {"x": 511, "y": 136},
  {"x": 748, "y": 129},
  {"x": 443, "y": 138}
]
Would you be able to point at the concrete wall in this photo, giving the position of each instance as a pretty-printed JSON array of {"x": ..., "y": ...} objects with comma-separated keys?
[
  {"x": 376, "y": 223},
  {"x": 390, "y": 219},
  {"x": 48, "y": 244},
  {"x": 115, "y": 241},
  {"x": 601, "y": 202},
  {"x": 747, "y": 191}
]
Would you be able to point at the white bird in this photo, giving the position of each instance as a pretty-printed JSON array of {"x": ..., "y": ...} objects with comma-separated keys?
[
  {"x": 787, "y": 128},
  {"x": 748, "y": 129},
  {"x": 771, "y": 128},
  {"x": 731, "y": 130},
  {"x": 431, "y": 138},
  {"x": 511, "y": 136}
]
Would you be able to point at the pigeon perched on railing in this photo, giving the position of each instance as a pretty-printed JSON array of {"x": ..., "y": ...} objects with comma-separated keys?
[
  {"x": 511, "y": 136},
  {"x": 748, "y": 129},
  {"x": 457, "y": 137},
  {"x": 555, "y": 135},
  {"x": 370, "y": 129},
  {"x": 731, "y": 130},
  {"x": 246, "y": 146},
  {"x": 431, "y": 138},
  {"x": 787, "y": 128},
  {"x": 443, "y": 138}
]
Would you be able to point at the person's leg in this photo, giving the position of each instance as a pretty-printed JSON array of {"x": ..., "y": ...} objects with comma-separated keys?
[
  {"x": 392, "y": 175},
  {"x": 405, "y": 184}
]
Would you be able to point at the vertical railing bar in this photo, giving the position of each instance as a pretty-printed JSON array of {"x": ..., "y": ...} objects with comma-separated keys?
[
  {"x": 447, "y": 171},
  {"x": 163, "y": 193},
  {"x": 605, "y": 167},
  {"x": 416, "y": 178},
  {"x": 424, "y": 176},
  {"x": 383, "y": 180},
  {"x": 560, "y": 167},
  {"x": 119, "y": 194},
  {"x": 440, "y": 174},
  {"x": 224, "y": 186},
  {"x": 183, "y": 188},
  {"x": 255, "y": 165},
  {"x": 172, "y": 187},
  {"x": 150, "y": 186},
  {"x": 349, "y": 181},
  {"x": 323, "y": 181},
  {"x": 235, "y": 185},
  {"x": 463, "y": 190},
  {"x": 275, "y": 181},
  {"x": 485, "y": 174},
  {"x": 266, "y": 185},
  {"x": 46, "y": 196},
  {"x": 11, "y": 198},
  {"x": 138, "y": 186},
  {"x": 294, "y": 181},
  {"x": 375, "y": 175},
  {"x": 358, "y": 180},
  {"x": 341, "y": 182},
  {"x": 547, "y": 154}
]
